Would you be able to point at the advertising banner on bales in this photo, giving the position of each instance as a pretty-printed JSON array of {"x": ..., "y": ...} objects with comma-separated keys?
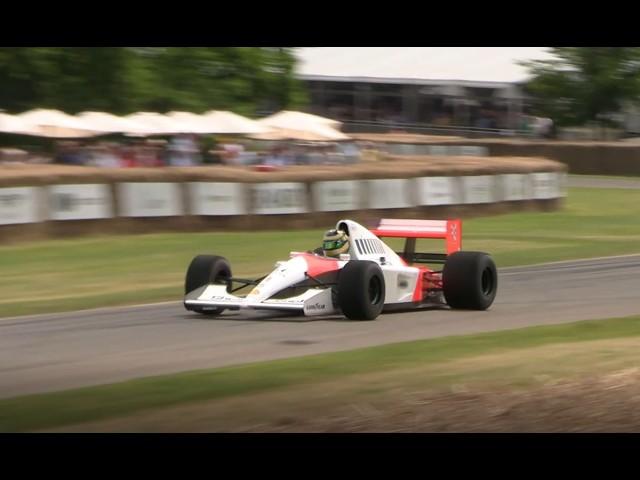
[
  {"x": 335, "y": 196},
  {"x": 18, "y": 205},
  {"x": 438, "y": 150},
  {"x": 564, "y": 183},
  {"x": 477, "y": 188},
  {"x": 515, "y": 186},
  {"x": 436, "y": 191},
  {"x": 79, "y": 202},
  {"x": 217, "y": 198},
  {"x": 390, "y": 193},
  {"x": 473, "y": 151},
  {"x": 278, "y": 198},
  {"x": 546, "y": 185},
  {"x": 149, "y": 199}
]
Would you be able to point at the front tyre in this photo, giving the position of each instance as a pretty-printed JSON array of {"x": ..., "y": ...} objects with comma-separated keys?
[
  {"x": 203, "y": 270},
  {"x": 361, "y": 290}
]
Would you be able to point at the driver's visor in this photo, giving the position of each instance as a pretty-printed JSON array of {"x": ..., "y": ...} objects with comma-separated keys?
[{"x": 332, "y": 244}]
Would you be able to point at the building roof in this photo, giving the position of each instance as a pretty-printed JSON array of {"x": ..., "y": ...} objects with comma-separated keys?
[{"x": 466, "y": 66}]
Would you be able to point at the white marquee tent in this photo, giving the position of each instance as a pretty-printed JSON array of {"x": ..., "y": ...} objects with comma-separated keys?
[
  {"x": 155, "y": 123},
  {"x": 288, "y": 125},
  {"x": 231, "y": 123},
  {"x": 108, "y": 123},
  {"x": 55, "y": 124},
  {"x": 15, "y": 124},
  {"x": 285, "y": 125}
]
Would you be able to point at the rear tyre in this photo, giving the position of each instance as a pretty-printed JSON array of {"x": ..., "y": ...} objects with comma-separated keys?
[
  {"x": 203, "y": 270},
  {"x": 361, "y": 290},
  {"x": 469, "y": 280}
]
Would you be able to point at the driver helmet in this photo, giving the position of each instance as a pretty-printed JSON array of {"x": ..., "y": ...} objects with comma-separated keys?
[{"x": 335, "y": 242}]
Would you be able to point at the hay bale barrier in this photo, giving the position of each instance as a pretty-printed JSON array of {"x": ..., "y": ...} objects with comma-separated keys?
[
  {"x": 580, "y": 157},
  {"x": 57, "y": 201}
]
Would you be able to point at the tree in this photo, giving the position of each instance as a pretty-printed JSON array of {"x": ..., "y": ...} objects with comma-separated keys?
[
  {"x": 584, "y": 84},
  {"x": 123, "y": 80}
]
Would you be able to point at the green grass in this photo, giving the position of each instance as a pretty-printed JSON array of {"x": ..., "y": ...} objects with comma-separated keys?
[
  {"x": 138, "y": 396},
  {"x": 64, "y": 275}
]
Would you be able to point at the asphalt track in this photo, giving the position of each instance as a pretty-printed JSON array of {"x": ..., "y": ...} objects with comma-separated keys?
[{"x": 59, "y": 351}]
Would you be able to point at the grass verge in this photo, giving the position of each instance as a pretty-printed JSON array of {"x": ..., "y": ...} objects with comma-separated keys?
[{"x": 431, "y": 362}]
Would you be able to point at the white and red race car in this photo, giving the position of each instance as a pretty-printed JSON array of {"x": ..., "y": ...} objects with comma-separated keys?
[{"x": 370, "y": 279}]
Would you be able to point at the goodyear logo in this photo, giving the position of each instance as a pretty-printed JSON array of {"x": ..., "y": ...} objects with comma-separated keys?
[{"x": 315, "y": 306}]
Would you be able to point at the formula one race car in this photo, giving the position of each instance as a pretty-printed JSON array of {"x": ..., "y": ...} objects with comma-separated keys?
[{"x": 369, "y": 278}]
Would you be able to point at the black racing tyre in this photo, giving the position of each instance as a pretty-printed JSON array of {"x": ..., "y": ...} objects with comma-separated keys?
[
  {"x": 469, "y": 280},
  {"x": 203, "y": 270},
  {"x": 361, "y": 290}
]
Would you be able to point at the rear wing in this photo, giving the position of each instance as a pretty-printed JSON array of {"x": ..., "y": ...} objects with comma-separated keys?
[{"x": 448, "y": 230}]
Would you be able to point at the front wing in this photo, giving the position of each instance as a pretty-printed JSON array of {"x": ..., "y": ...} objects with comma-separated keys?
[{"x": 314, "y": 301}]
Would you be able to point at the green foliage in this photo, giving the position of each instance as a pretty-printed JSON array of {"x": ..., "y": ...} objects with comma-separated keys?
[
  {"x": 585, "y": 84},
  {"x": 123, "y": 80}
]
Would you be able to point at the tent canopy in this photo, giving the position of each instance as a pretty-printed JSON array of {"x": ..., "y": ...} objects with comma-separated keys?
[
  {"x": 155, "y": 123},
  {"x": 287, "y": 118},
  {"x": 55, "y": 124},
  {"x": 226, "y": 122},
  {"x": 287, "y": 125},
  {"x": 188, "y": 122},
  {"x": 108, "y": 123},
  {"x": 15, "y": 124}
]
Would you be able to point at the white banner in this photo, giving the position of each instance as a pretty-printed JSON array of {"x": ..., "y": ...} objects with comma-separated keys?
[
  {"x": 18, "y": 205},
  {"x": 453, "y": 150},
  {"x": 516, "y": 186},
  {"x": 217, "y": 198},
  {"x": 546, "y": 185},
  {"x": 436, "y": 191},
  {"x": 438, "y": 150},
  {"x": 564, "y": 182},
  {"x": 335, "y": 196},
  {"x": 79, "y": 202},
  {"x": 401, "y": 149},
  {"x": 477, "y": 188},
  {"x": 390, "y": 193},
  {"x": 142, "y": 199},
  {"x": 278, "y": 198},
  {"x": 473, "y": 151}
]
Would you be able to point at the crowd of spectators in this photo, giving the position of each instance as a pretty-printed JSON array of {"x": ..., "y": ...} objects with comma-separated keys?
[{"x": 192, "y": 150}]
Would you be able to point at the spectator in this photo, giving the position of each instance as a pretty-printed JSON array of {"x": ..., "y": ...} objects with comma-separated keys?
[
  {"x": 147, "y": 155},
  {"x": 183, "y": 151},
  {"x": 276, "y": 158},
  {"x": 232, "y": 153},
  {"x": 128, "y": 157},
  {"x": 547, "y": 128},
  {"x": 315, "y": 155},
  {"x": 105, "y": 156},
  {"x": 350, "y": 152}
]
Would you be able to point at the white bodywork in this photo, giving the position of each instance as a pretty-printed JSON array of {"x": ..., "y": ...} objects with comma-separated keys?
[{"x": 400, "y": 279}]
